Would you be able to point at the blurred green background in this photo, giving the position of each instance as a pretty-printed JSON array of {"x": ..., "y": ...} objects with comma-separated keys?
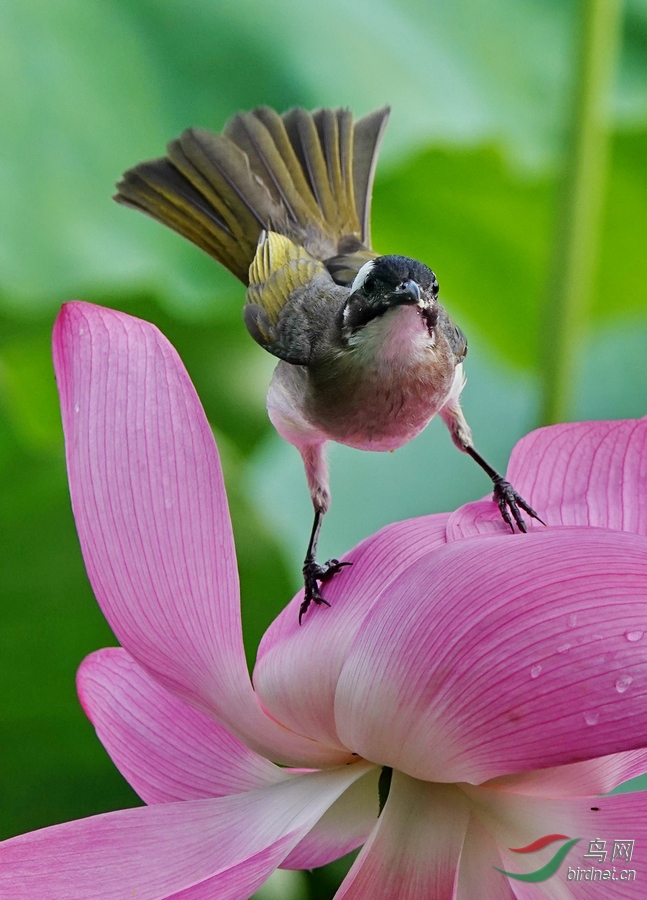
[{"x": 471, "y": 180}]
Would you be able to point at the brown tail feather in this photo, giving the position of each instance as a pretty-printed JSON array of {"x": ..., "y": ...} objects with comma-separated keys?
[
  {"x": 335, "y": 130},
  {"x": 159, "y": 190},
  {"x": 307, "y": 144},
  {"x": 262, "y": 136},
  {"x": 306, "y": 176},
  {"x": 368, "y": 135}
]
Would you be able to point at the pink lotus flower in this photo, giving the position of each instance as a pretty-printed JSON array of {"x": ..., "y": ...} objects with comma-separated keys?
[{"x": 502, "y": 677}]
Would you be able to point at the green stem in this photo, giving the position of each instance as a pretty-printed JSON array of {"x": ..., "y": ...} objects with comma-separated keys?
[{"x": 578, "y": 224}]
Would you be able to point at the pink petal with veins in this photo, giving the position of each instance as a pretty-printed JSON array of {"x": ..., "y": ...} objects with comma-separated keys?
[
  {"x": 581, "y": 779},
  {"x": 298, "y": 666},
  {"x": 166, "y": 749},
  {"x": 193, "y": 850},
  {"x": 503, "y": 654},
  {"x": 516, "y": 821},
  {"x": 580, "y": 473},
  {"x": 477, "y": 877},
  {"x": 153, "y": 521},
  {"x": 415, "y": 847},
  {"x": 342, "y": 828}
]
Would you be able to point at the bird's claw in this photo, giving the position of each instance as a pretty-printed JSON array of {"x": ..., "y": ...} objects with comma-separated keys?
[
  {"x": 330, "y": 568},
  {"x": 314, "y": 573},
  {"x": 509, "y": 501}
]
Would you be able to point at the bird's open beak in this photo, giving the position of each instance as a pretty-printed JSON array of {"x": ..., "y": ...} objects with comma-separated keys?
[{"x": 407, "y": 294}]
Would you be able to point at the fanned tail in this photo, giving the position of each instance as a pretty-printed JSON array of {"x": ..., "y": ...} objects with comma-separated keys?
[{"x": 307, "y": 176}]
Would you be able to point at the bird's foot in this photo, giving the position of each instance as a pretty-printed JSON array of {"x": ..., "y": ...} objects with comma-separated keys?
[
  {"x": 313, "y": 574},
  {"x": 509, "y": 501}
]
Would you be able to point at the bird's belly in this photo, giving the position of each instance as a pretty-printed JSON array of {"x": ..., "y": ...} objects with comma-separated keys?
[{"x": 378, "y": 413}]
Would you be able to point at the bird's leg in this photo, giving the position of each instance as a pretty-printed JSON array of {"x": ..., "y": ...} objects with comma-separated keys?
[
  {"x": 313, "y": 573},
  {"x": 507, "y": 498}
]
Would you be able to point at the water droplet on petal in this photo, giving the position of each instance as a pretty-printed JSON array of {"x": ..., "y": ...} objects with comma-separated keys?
[
  {"x": 81, "y": 330},
  {"x": 564, "y": 648},
  {"x": 572, "y": 620},
  {"x": 624, "y": 682},
  {"x": 634, "y": 636},
  {"x": 535, "y": 672},
  {"x": 597, "y": 637},
  {"x": 591, "y": 718},
  {"x": 76, "y": 407}
]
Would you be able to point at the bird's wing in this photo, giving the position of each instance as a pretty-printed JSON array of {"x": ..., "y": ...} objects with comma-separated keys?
[
  {"x": 307, "y": 176},
  {"x": 288, "y": 290},
  {"x": 456, "y": 338},
  {"x": 344, "y": 267}
]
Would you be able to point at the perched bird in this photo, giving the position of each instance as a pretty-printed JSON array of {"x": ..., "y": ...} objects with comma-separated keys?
[{"x": 367, "y": 353}]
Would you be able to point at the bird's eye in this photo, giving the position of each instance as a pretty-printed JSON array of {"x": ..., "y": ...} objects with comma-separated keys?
[{"x": 369, "y": 283}]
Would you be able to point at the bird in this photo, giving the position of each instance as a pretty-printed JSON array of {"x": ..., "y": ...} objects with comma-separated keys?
[{"x": 367, "y": 353}]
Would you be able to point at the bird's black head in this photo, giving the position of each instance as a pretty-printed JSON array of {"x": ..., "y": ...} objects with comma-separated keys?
[{"x": 387, "y": 282}]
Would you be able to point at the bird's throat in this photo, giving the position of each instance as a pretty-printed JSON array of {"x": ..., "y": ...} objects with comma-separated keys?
[{"x": 398, "y": 338}]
